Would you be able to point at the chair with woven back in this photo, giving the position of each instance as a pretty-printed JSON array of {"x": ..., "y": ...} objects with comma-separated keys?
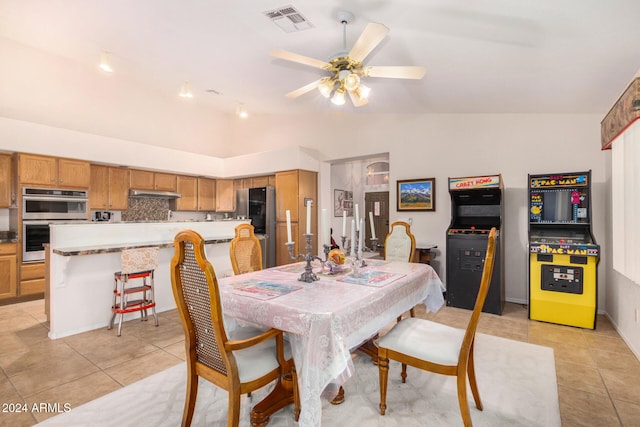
[
  {"x": 438, "y": 348},
  {"x": 239, "y": 361},
  {"x": 245, "y": 250},
  {"x": 400, "y": 245}
]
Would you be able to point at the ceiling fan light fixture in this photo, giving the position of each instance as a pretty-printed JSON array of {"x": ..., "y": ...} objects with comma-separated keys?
[
  {"x": 363, "y": 91},
  {"x": 185, "y": 90},
  {"x": 326, "y": 86},
  {"x": 339, "y": 97},
  {"x": 351, "y": 81},
  {"x": 105, "y": 64}
]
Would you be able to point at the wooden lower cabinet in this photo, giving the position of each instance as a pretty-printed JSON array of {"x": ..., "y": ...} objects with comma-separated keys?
[
  {"x": 8, "y": 278},
  {"x": 32, "y": 278}
]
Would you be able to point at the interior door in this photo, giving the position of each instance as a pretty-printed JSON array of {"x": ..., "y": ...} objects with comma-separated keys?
[{"x": 378, "y": 203}]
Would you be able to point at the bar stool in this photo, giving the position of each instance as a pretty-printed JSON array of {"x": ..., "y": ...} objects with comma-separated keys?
[{"x": 134, "y": 264}]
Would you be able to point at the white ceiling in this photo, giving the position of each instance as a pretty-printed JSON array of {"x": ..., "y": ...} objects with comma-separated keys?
[{"x": 482, "y": 56}]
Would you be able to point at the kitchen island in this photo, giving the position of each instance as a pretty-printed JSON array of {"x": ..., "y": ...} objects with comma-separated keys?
[{"x": 82, "y": 258}]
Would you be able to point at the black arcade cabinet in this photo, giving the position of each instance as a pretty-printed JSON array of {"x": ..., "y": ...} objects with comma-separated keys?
[{"x": 476, "y": 207}]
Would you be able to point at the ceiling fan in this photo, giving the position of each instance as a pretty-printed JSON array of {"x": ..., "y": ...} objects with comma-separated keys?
[{"x": 347, "y": 69}]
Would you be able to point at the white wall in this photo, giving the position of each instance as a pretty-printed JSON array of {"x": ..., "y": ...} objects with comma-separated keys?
[{"x": 443, "y": 146}]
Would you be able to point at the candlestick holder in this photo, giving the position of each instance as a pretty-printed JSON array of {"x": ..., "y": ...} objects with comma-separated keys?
[
  {"x": 344, "y": 244},
  {"x": 307, "y": 275},
  {"x": 374, "y": 244}
]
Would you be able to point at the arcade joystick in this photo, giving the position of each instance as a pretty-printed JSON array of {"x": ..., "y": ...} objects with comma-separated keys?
[{"x": 473, "y": 228}]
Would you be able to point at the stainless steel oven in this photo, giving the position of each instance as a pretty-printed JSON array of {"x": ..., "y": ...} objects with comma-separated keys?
[
  {"x": 50, "y": 203},
  {"x": 42, "y": 207}
]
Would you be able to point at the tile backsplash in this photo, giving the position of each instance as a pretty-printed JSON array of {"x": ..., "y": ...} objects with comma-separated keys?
[{"x": 146, "y": 209}]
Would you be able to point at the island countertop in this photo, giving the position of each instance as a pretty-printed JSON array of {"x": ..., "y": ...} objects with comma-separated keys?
[{"x": 110, "y": 248}]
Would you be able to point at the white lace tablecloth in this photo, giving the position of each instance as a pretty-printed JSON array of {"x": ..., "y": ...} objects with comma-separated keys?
[{"x": 328, "y": 318}]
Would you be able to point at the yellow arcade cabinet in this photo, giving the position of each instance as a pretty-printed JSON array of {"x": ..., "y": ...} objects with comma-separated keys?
[{"x": 563, "y": 255}]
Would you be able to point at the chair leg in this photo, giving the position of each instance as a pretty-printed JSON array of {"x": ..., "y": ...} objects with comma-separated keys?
[
  {"x": 233, "y": 417},
  {"x": 471, "y": 371},
  {"x": 462, "y": 398},
  {"x": 192, "y": 394},
  {"x": 383, "y": 369},
  {"x": 404, "y": 373}
]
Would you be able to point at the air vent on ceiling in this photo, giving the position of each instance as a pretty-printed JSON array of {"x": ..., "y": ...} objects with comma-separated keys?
[{"x": 289, "y": 19}]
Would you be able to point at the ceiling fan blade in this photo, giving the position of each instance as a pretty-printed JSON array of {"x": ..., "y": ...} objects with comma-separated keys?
[
  {"x": 396, "y": 72},
  {"x": 357, "y": 101},
  {"x": 368, "y": 40},
  {"x": 304, "y": 89},
  {"x": 289, "y": 56}
]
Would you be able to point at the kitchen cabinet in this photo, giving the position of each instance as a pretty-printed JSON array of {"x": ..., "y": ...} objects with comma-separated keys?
[
  {"x": 8, "y": 262},
  {"x": 109, "y": 188},
  {"x": 293, "y": 188},
  {"x": 206, "y": 194},
  {"x": 188, "y": 188},
  {"x": 53, "y": 171},
  {"x": 225, "y": 195},
  {"x": 166, "y": 181},
  {"x": 147, "y": 180},
  {"x": 259, "y": 181},
  {"x": 7, "y": 196},
  {"x": 32, "y": 278}
]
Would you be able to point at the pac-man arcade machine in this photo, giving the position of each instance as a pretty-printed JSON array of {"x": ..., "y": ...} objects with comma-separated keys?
[
  {"x": 476, "y": 207},
  {"x": 563, "y": 255}
]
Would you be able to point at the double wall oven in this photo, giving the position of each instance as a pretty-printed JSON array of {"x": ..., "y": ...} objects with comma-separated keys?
[{"x": 44, "y": 206}]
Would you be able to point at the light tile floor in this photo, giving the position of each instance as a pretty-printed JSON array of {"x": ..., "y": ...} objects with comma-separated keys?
[{"x": 598, "y": 376}]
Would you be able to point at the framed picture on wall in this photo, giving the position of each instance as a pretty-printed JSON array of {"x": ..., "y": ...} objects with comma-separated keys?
[
  {"x": 338, "y": 202},
  {"x": 416, "y": 194}
]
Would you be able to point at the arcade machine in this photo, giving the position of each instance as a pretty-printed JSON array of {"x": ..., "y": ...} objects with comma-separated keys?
[
  {"x": 563, "y": 254},
  {"x": 476, "y": 207}
]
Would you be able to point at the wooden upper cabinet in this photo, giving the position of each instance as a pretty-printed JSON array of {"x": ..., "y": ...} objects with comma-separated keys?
[
  {"x": 142, "y": 180},
  {"x": 225, "y": 195},
  {"x": 109, "y": 188},
  {"x": 99, "y": 188},
  {"x": 52, "y": 171},
  {"x": 206, "y": 194},
  {"x": 74, "y": 173},
  {"x": 287, "y": 195},
  {"x": 259, "y": 181},
  {"x": 187, "y": 186},
  {"x": 6, "y": 184},
  {"x": 166, "y": 182},
  {"x": 118, "y": 188},
  {"x": 147, "y": 180}
]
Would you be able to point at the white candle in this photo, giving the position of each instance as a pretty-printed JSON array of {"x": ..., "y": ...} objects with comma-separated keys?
[
  {"x": 357, "y": 218},
  {"x": 353, "y": 237},
  {"x": 289, "y": 226},
  {"x": 309, "y": 217},
  {"x": 325, "y": 228},
  {"x": 344, "y": 223},
  {"x": 360, "y": 236},
  {"x": 373, "y": 228}
]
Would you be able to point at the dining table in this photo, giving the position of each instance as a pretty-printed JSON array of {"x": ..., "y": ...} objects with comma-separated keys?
[{"x": 325, "y": 319}]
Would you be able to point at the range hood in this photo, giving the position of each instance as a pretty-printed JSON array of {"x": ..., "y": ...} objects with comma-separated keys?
[{"x": 154, "y": 193}]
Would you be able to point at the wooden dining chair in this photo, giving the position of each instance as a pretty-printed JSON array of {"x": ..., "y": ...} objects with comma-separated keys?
[
  {"x": 438, "y": 348},
  {"x": 240, "y": 362},
  {"x": 400, "y": 245},
  {"x": 245, "y": 250}
]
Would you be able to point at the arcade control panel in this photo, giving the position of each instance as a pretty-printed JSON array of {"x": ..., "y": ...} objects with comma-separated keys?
[{"x": 471, "y": 230}]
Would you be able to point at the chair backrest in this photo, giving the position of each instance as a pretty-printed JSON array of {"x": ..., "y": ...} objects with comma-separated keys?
[
  {"x": 195, "y": 289},
  {"x": 399, "y": 245},
  {"x": 245, "y": 250},
  {"x": 140, "y": 259},
  {"x": 487, "y": 273}
]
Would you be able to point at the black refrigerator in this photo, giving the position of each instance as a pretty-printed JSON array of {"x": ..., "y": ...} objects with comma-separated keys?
[{"x": 259, "y": 205}]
